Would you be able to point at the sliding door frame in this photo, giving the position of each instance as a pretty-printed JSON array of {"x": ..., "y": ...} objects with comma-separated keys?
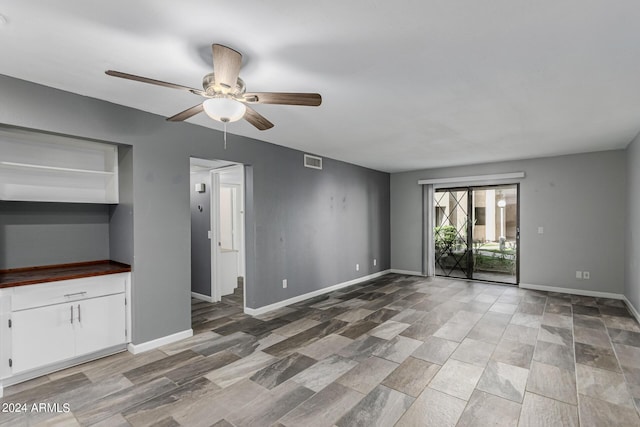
[{"x": 429, "y": 221}]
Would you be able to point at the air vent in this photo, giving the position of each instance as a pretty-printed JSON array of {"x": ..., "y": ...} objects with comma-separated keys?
[{"x": 312, "y": 162}]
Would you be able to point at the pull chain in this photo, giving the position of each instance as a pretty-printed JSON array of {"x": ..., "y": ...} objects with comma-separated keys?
[{"x": 225, "y": 135}]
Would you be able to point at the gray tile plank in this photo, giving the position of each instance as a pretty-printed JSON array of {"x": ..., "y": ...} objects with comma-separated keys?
[
  {"x": 281, "y": 370},
  {"x": 412, "y": 376},
  {"x": 381, "y": 407},
  {"x": 485, "y": 409},
  {"x": 123, "y": 400},
  {"x": 433, "y": 409},
  {"x": 540, "y": 411},
  {"x": 271, "y": 406},
  {"x": 172, "y": 402},
  {"x": 159, "y": 367},
  {"x": 324, "y": 409}
]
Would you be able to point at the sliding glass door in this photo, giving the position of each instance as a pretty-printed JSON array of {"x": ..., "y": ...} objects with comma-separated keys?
[
  {"x": 476, "y": 233},
  {"x": 451, "y": 232}
]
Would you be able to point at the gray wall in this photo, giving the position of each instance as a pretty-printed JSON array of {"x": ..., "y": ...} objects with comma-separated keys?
[
  {"x": 307, "y": 226},
  {"x": 632, "y": 229},
  {"x": 33, "y": 234},
  {"x": 312, "y": 226},
  {"x": 200, "y": 242},
  {"x": 121, "y": 215},
  {"x": 578, "y": 199}
]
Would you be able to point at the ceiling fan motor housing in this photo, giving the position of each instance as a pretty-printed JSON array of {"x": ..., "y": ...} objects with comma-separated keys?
[{"x": 212, "y": 89}]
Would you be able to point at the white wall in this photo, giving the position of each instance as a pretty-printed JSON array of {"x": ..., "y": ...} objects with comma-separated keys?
[{"x": 578, "y": 199}]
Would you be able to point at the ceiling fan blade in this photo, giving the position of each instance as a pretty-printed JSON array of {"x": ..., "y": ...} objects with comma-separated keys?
[
  {"x": 257, "y": 119},
  {"x": 226, "y": 66},
  {"x": 152, "y": 81},
  {"x": 309, "y": 99},
  {"x": 184, "y": 115}
]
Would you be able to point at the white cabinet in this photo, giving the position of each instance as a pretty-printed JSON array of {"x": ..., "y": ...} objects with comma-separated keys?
[
  {"x": 41, "y": 336},
  {"x": 52, "y": 168},
  {"x": 100, "y": 323},
  {"x": 59, "y": 322}
]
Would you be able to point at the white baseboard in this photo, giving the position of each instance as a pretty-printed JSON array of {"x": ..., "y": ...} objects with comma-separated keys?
[
  {"x": 407, "y": 272},
  {"x": 202, "y": 297},
  {"x": 280, "y": 304},
  {"x": 159, "y": 342},
  {"x": 631, "y": 308},
  {"x": 572, "y": 291}
]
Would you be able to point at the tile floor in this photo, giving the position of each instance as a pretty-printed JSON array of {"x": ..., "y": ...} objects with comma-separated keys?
[{"x": 398, "y": 350}]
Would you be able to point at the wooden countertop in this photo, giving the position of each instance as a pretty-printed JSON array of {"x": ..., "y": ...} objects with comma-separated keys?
[{"x": 52, "y": 273}]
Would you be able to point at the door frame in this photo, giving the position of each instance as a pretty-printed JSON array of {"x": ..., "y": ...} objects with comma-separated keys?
[
  {"x": 469, "y": 189},
  {"x": 214, "y": 182}
]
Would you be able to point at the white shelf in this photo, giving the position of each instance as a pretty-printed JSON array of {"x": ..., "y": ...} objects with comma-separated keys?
[
  {"x": 51, "y": 168},
  {"x": 54, "y": 168}
]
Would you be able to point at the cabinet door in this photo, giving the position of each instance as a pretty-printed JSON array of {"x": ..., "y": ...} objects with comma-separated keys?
[
  {"x": 41, "y": 336},
  {"x": 99, "y": 323}
]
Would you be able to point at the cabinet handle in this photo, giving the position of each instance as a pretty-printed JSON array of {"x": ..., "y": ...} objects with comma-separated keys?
[
  {"x": 79, "y": 320},
  {"x": 74, "y": 294},
  {"x": 72, "y": 315}
]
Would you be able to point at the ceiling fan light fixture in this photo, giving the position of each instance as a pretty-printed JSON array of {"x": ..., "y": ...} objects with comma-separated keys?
[
  {"x": 224, "y": 110},
  {"x": 225, "y": 92}
]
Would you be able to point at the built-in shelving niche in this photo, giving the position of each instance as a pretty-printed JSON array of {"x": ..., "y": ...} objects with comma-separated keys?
[
  {"x": 87, "y": 187},
  {"x": 52, "y": 168}
]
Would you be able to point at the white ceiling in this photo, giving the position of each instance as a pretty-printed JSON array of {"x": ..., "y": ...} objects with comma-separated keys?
[{"x": 405, "y": 84}]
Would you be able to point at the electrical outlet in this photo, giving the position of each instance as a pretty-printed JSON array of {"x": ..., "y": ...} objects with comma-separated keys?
[
  {"x": 375, "y": 262},
  {"x": 578, "y": 274},
  {"x": 586, "y": 275},
  {"x": 284, "y": 283},
  {"x": 357, "y": 267},
  {"x": 540, "y": 230}
]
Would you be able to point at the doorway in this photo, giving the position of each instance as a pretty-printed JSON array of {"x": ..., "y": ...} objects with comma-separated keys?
[
  {"x": 227, "y": 231},
  {"x": 217, "y": 230},
  {"x": 476, "y": 233}
]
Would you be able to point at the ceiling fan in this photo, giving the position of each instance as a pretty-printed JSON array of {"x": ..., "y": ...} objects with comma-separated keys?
[{"x": 226, "y": 97}]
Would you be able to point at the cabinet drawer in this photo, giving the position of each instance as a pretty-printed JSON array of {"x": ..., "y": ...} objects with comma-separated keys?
[{"x": 42, "y": 294}]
